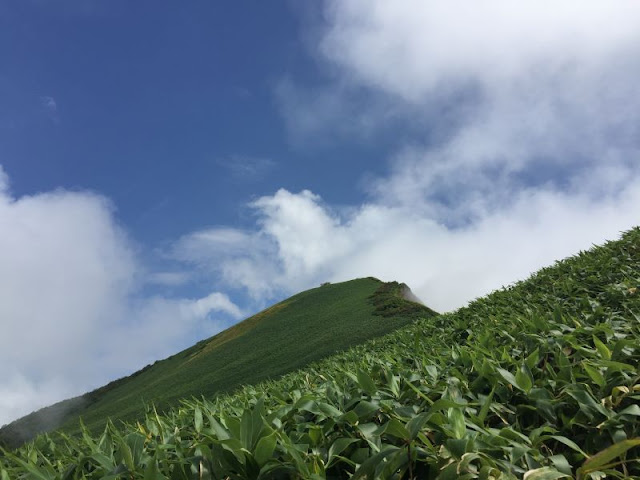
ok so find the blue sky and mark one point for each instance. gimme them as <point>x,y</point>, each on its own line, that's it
<point>151,104</point>
<point>167,169</point>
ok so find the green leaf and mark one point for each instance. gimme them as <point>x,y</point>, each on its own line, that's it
<point>457,446</point>
<point>366,382</point>
<point>365,409</point>
<point>445,404</point>
<point>524,379</point>
<point>151,472</point>
<point>247,430</point>
<point>329,410</point>
<point>618,366</point>
<point>265,448</point>
<point>135,441</point>
<point>339,446</point>
<point>368,468</point>
<point>396,429</point>
<point>414,426</point>
<point>450,472</point>
<point>221,432</point>
<point>561,463</point>
<point>595,375</point>
<point>456,420</point>
<point>104,461</point>
<point>602,458</point>
<point>466,460</point>
<point>508,376</point>
<point>38,473</point>
<point>197,420</point>
<point>532,360</point>
<point>350,418</point>
<point>631,410</point>
<point>602,348</point>
<point>486,406</point>
<point>588,404</point>
<point>370,430</point>
<point>544,473</point>
<point>125,452</point>
<point>569,443</point>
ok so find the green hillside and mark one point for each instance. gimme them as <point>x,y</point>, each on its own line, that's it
<point>290,334</point>
<point>537,381</point>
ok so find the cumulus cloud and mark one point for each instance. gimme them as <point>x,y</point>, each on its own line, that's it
<point>445,267</point>
<point>413,48</point>
<point>521,145</point>
<point>545,91</point>
<point>72,318</point>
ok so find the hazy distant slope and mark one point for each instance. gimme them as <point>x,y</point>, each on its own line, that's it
<point>304,328</point>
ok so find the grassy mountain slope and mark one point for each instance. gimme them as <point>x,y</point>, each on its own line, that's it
<point>286,336</point>
<point>537,381</point>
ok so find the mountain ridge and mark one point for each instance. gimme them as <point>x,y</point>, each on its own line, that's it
<point>372,307</point>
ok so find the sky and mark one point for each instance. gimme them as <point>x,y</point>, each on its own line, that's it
<point>169,168</point>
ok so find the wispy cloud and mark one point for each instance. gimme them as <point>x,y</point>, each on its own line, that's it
<point>169,279</point>
<point>49,103</point>
<point>246,168</point>
<point>50,107</point>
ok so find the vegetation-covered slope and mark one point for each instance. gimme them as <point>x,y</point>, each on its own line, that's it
<point>304,328</point>
<point>536,381</point>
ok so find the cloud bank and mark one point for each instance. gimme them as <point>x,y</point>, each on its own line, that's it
<point>520,145</point>
<point>301,243</point>
<point>71,315</point>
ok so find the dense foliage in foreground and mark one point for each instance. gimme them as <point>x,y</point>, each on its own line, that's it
<point>537,381</point>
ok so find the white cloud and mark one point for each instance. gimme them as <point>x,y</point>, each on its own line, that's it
<point>71,314</point>
<point>157,327</point>
<point>544,89</point>
<point>246,168</point>
<point>49,103</point>
<point>50,106</point>
<point>445,267</point>
<point>539,159</point>
<point>18,394</point>
<point>4,181</point>
<point>413,48</point>
<point>491,97</point>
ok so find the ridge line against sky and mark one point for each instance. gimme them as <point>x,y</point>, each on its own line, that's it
<point>166,170</point>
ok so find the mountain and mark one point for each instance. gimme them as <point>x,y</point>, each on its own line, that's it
<point>293,333</point>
